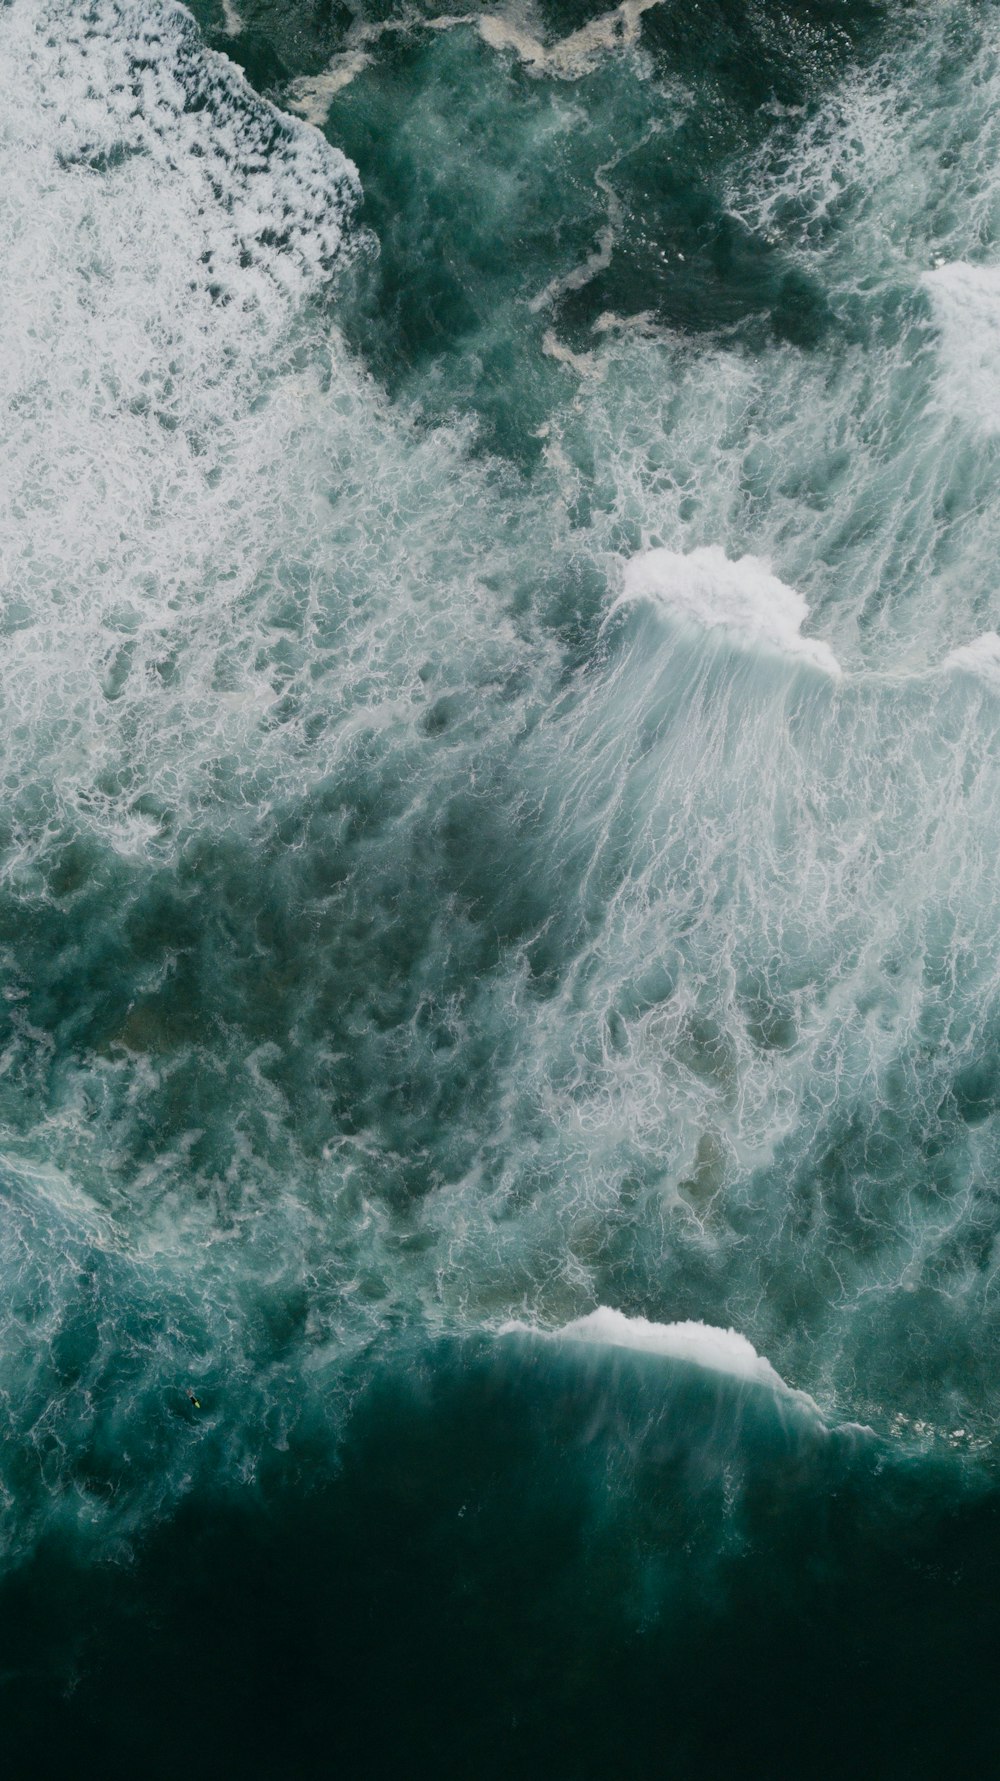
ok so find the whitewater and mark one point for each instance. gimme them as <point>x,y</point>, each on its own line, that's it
<point>500,701</point>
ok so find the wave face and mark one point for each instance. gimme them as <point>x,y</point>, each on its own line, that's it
<point>500,700</point>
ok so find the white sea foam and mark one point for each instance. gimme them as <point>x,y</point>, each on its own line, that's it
<point>569,58</point>
<point>585,364</point>
<point>573,56</point>
<point>966,304</point>
<point>311,95</point>
<point>745,598</point>
<point>161,229</point>
<point>700,1344</point>
<point>981,656</point>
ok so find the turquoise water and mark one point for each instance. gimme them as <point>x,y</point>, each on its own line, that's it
<point>500,998</point>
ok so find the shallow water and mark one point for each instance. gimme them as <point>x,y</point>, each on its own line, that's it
<point>501,705</point>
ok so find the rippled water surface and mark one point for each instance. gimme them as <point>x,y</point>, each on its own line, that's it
<point>499,906</point>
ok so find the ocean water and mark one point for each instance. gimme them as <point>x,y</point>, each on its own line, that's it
<point>499,903</point>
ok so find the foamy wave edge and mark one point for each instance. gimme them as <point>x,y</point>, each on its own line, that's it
<point>702,1345</point>
<point>742,597</point>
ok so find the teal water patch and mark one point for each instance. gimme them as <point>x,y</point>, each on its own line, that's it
<point>524,184</point>
<point>563,1560</point>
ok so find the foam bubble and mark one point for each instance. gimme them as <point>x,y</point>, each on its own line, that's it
<point>745,598</point>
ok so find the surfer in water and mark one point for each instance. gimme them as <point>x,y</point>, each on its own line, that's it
<point>193,1400</point>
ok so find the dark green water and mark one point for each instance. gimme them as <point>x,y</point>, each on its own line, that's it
<point>572,1569</point>
<point>500,695</point>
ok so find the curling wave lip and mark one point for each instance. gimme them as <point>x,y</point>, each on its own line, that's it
<point>700,1344</point>
<point>745,598</point>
